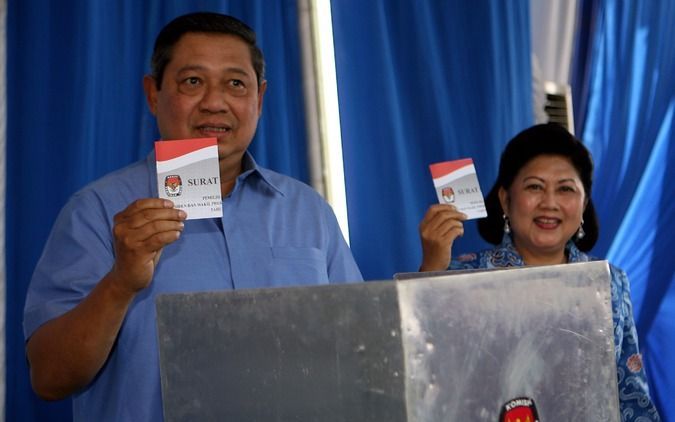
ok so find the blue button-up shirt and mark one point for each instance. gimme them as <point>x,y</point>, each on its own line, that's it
<point>275,231</point>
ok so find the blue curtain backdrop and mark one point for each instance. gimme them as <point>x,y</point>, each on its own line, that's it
<point>76,111</point>
<point>418,83</point>
<point>624,77</point>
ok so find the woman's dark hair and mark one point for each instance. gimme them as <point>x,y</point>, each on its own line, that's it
<point>208,23</point>
<point>543,139</point>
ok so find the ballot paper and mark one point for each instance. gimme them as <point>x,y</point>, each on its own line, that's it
<point>188,174</point>
<point>456,183</point>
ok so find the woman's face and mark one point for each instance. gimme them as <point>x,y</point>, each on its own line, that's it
<point>545,204</point>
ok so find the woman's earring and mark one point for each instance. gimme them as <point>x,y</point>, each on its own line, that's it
<point>507,228</point>
<point>581,233</point>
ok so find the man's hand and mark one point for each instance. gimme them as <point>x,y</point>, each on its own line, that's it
<point>140,232</point>
<point>67,352</point>
<point>441,225</point>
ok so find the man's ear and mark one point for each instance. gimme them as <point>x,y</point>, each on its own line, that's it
<point>261,92</point>
<point>503,199</point>
<point>150,88</point>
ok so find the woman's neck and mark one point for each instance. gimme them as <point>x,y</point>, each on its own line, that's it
<point>553,258</point>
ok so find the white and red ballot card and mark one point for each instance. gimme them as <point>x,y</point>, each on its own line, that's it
<point>456,183</point>
<point>188,174</point>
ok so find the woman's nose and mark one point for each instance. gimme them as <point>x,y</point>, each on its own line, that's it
<point>549,199</point>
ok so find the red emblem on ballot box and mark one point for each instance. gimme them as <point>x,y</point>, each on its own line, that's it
<point>521,409</point>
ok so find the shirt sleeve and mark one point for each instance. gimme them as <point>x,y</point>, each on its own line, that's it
<point>466,261</point>
<point>77,254</point>
<point>340,261</point>
<point>634,401</point>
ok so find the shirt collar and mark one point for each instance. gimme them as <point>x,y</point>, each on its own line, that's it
<point>574,254</point>
<point>507,248</point>
<point>249,167</point>
<point>507,251</point>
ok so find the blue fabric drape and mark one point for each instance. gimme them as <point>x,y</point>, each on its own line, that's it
<point>628,122</point>
<point>423,82</point>
<point>76,111</point>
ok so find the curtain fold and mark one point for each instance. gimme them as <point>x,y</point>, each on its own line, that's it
<point>76,111</point>
<point>626,68</point>
<point>423,82</point>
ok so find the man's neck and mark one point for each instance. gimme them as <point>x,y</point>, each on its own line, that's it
<point>228,176</point>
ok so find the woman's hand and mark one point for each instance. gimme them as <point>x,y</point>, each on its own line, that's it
<point>441,225</point>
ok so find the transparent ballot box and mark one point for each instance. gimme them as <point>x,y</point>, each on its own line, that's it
<point>451,346</point>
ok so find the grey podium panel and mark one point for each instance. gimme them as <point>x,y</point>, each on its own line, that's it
<point>448,347</point>
<point>474,341</point>
<point>322,353</point>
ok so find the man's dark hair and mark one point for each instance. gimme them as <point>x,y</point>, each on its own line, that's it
<point>543,139</point>
<point>208,23</point>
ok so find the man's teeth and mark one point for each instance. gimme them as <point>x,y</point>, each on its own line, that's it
<point>214,129</point>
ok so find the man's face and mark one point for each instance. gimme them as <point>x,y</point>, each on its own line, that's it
<point>209,90</point>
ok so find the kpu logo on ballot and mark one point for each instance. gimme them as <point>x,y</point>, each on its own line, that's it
<point>173,185</point>
<point>456,183</point>
<point>188,174</point>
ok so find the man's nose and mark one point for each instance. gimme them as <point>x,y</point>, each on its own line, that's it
<point>214,99</point>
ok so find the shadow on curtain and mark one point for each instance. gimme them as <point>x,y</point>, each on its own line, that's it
<point>625,78</point>
<point>76,111</point>
<point>423,82</point>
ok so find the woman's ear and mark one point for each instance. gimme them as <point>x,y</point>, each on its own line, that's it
<point>503,200</point>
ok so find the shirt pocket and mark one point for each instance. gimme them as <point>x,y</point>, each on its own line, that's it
<point>300,265</point>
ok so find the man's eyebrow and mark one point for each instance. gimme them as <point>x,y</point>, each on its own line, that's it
<point>238,70</point>
<point>191,67</point>
<point>196,67</point>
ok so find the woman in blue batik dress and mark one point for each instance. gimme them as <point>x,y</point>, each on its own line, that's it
<point>540,212</point>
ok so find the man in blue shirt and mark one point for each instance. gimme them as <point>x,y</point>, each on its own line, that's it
<point>89,318</point>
